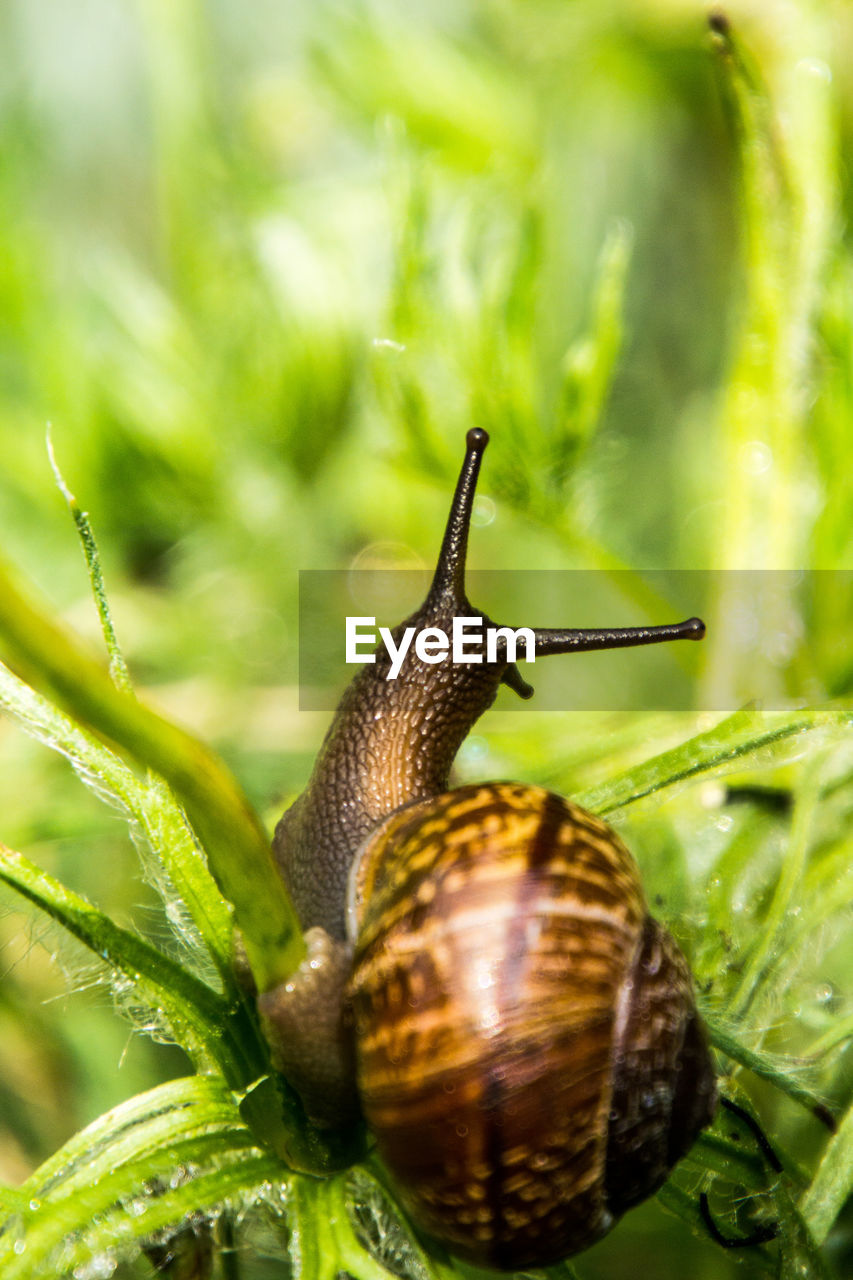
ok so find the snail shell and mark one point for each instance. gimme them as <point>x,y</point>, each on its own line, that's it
<point>529,1056</point>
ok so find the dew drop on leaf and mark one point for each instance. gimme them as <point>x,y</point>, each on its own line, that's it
<point>101,1267</point>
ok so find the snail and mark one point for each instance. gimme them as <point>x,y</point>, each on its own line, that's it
<point>483,979</point>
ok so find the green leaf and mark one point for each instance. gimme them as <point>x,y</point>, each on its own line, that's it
<point>118,666</point>
<point>139,1168</point>
<point>194,1014</point>
<point>799,1245</point>
<point>325,1240</point>
<point>184,1106</point>
<point>150,805</point>
<point>730,743</point>
<point>685,1205</point>
<point>775,924</point>
<point>12,1200</point>
<point>237,847</point>
<point>380,1225</point>
<point>833,1182</point>
<point>835,1035</point>
<point>590,362</point>
<point>111,1218</point>
<point>778,1071</point>
<point>784,122</point>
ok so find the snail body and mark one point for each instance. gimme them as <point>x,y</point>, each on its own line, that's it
<point>484,980</point>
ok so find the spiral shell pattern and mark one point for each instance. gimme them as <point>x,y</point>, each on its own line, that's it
<point>519,1023</point>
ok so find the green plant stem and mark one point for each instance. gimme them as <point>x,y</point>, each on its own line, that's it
<point>118,666</point>
<point>177,1109</point>
<point>686,1207</point>
<point>761,958</point>
<point>229,1259</point>
<point>236,845</point>
<point>835,1035</point>
<point>784,125</point>
<point>768,1068</point>
<point>833,1182</point>
<point>114,1227</point>
<point>150,807</point>
<point>799,1246</point>
<point>186,1002</point>
<point>746,733</point>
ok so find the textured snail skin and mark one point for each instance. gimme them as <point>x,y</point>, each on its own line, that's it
<point>483,980</point>
<point>521,1024</point>
<point>391,742</point>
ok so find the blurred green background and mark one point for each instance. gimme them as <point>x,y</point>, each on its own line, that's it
<point>261,266</point>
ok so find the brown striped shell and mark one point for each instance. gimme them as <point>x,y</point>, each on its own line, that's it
<point>529,1055</point>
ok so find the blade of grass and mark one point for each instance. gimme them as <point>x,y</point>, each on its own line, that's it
<point>389,1235</point>
<point>716,1154</point>
<point>768,1066</point>
<point>352,1257</point>
<point>12,1200</point>
<point>589,364</point>
<point>196,1016</point>
<point>184,1106</point>
<point>164,823</point>
<point>686,1207</point>
<point>783,121</point>
<point>204,1139</point>
<point>236,845</point>
<point>761,958</point>
<point>311,1256</point>
<point>177,1124</point>
<point>122,1165</point>
<point>733,740</point>
<point>833,1037</point>
<point>833,1182</point>
<point>827,889</point>
<point>109,1218</point>
<point>324,1242</point>
<point>149,804</point>
<point>118,666</point>
<point>799,1244</point>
